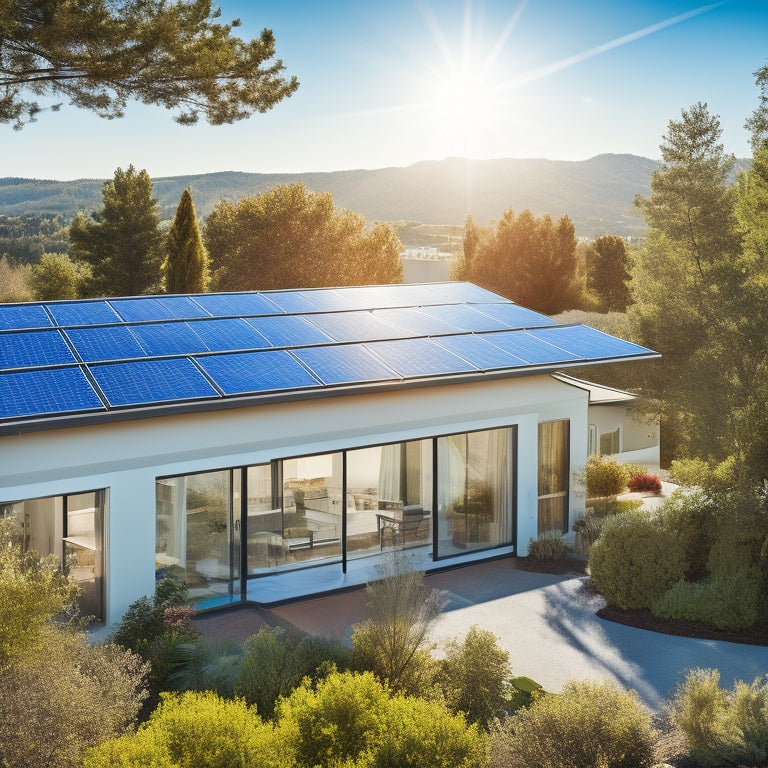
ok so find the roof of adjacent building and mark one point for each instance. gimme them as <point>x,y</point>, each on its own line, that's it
<point>599,394</point>
<point>72,362</point>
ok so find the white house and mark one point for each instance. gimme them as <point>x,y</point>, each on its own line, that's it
<point>275,444</point>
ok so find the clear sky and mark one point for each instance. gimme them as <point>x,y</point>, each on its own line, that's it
<point>394,82</point>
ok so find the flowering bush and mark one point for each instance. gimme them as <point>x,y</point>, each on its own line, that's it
<point>645,483</point>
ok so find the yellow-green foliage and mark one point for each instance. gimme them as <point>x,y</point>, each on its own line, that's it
<point>548,546</point>
<point>703,474</point>
<point>350,719</point>
<point>194,730</point>
<point>64,697</point>
<point>605,477</point>
<point>590,725</point>
<point>635,560</point>
<point>475,676</point>
<point>722,727</point>
<point>32,591</point>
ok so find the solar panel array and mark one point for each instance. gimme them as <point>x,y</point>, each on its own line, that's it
<point>107,355</point>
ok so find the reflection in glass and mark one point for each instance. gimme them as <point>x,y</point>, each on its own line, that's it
<point>195,531</point>
<point>389,497</point>
<point>475,490</point>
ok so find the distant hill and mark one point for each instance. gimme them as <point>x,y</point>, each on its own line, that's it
<point>596,193</point>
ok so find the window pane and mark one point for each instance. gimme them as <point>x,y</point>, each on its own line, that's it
<point>554,469</point>
<point>83,556</point>
<point>389,497</point>
<point>475,490</point>
<point>265,518</point>
<point>195,532</point>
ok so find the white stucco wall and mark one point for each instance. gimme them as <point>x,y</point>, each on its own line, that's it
<point>126,457</point>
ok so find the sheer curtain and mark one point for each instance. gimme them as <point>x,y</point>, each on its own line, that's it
<point>554,465</point>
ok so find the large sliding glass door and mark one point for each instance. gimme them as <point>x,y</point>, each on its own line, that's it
<point>71,527</point>
<point>475,490</point>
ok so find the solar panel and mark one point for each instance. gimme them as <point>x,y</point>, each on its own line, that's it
<point>530,348</point>
<point>515,316</point>
<point>147,308</point>
<point>256,372</point>
<point>288,331</point>
<point>482,354</point>
<point>317,300</point>
<point>415,321</point>
<point>588,343</point>
<point>46,391</point>
<point>464,317</point>
<point>28,349</point>
<point>151,381</point>
<point>356,326</point>
<point>236,304</point>
<point>463,292</point>
<point>16,317</point>
<point>159,339</point>
<point>83,313</point>
<point>386,296</point>
<point>112,342</point>
<point>344,364</point>
<point>225,334</point>
<point>418,357</point>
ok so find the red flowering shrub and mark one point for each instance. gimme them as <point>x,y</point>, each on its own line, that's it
<point>645,483</point>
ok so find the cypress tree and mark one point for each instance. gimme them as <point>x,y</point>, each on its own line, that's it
<point>186,263</point>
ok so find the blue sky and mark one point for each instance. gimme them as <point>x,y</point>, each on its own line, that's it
<point>396,82</point>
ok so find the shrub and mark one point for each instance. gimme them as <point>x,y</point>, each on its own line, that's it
<point>645,483</point>
<point>702,474</point>
<point>692,517</point>
<point>66,697</point>
<point>590,725</point>
<point>630,470</point>
<point>605,477</point>
<point>207,665</point>
<point>191,730</point>
<point>635,560</point>
<point>722,727</point>
<point>352,719</point>
<point>276,660</point>
<point>392,642</point>
<point>474,676</point>
<point>548,546</point>
<point>731,602</point>
<point>609,507</point>
<point>524,691</point>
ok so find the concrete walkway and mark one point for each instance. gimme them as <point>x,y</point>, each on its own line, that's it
<point>548,625</point>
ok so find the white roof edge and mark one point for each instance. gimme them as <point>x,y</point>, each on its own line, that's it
<point>599,394</point>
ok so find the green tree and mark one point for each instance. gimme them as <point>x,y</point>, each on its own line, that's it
<point>122,243</point>
<point>14,279</point>
<point>531,261</point>
<point>608,273</point>
<point>99,54</point>
<point>186,262</point>
<point>691,292</point>
<point>56,276</point>
<point>289,237</point>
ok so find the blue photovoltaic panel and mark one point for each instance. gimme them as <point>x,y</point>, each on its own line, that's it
<point>236,304</point>
<point>28,349</point>
<point>387,296</point>
<point>588,343</point>
<point>531,349</point>
<point>157,308</point>
<point>19,317</point>
<point>293,302</point>
<point>160,339</point>
<point>514,315</point>
<point>464,317</point>
<point>255,372</point>
<point>45,392</point>
<point>476,350</point>
<point>463,292</point>
<point>143,382</point>
<point>225,334</point>
<point>415,321</point>
<point>344,364</point>
<point>83,313</point>
<point>112,342</point>
<point>356,326</point>
<point>418,357</point>
<point>288,331</point>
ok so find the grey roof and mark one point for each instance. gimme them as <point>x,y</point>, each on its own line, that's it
<point>73,362</point>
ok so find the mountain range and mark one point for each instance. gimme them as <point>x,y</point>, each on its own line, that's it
<point>597,193</point>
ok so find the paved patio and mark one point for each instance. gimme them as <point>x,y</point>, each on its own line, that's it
<point>547,623</point>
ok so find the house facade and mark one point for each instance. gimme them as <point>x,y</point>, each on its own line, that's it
<point>273,444</point>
